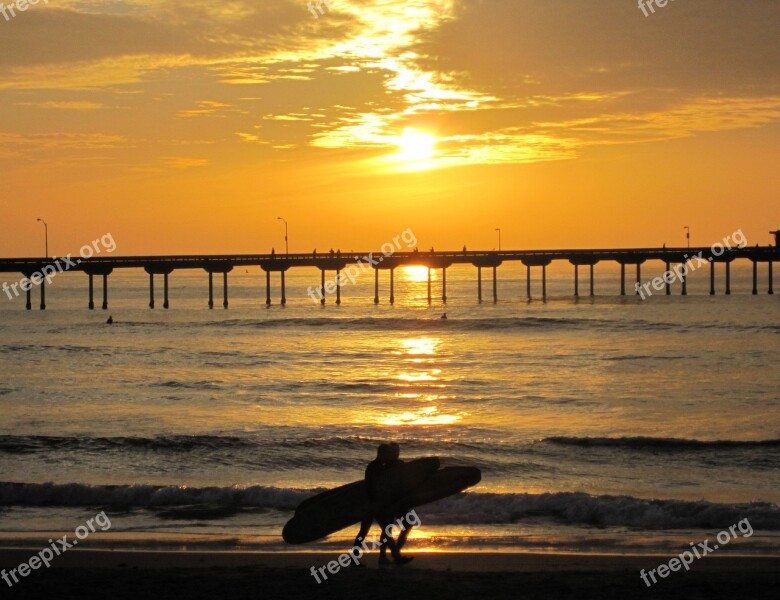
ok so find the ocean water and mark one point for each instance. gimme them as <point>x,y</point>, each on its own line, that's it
<point>600,424</point>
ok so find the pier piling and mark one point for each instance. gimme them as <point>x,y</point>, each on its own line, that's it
<point>622,279</point>
<point>638,278</point>
<point>91,292</point>
<point>592,292</point>
<point>755,277</point>
<point>576,281</point>
<point>728,278</point>
<point>712,278</point>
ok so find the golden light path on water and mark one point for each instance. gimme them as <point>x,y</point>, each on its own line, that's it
<point>418,351</point>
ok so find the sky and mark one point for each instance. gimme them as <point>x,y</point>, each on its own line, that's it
<point>190,127</point>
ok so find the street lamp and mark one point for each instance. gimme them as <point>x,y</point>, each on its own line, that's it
<point>688,235</point>
<point>286,245</point>
<point>499,238</point>
<point>46,232</point>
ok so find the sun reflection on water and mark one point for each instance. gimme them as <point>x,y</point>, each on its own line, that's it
<point>412,351</point>
<point>427,346</point>
<point>424,416</point>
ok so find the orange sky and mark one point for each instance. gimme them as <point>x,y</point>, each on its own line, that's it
<point>189,127</point>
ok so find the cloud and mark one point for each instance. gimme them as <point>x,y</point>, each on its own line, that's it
<point>496,82</point>
<point>184,162</point>
<point>250,137</point>
<point>209,108</point>
<point>63,105</point>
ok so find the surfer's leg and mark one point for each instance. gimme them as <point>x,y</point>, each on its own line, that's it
<point>383,560</point>
<point>405,526</point>
<point>387,537</point>
<point>365,526</point>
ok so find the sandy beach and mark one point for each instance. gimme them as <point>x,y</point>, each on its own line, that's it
<point>144,574</point>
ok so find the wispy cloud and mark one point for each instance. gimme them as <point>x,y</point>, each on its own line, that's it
<point>63,105</point>
<point>184,162</point>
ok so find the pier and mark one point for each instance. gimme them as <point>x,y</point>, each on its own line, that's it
<point>276,265</point>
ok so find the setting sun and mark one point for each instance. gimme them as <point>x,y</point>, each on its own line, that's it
<point>416,145</point>
<point>415,273</point>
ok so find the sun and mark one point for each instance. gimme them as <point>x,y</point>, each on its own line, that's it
<point>415,273</point>
<point>416,145</point>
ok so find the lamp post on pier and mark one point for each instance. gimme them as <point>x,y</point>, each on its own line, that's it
<point>46,235</point>
<point>286,244</point>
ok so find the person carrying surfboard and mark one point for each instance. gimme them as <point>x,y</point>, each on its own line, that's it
<point>383,480</point>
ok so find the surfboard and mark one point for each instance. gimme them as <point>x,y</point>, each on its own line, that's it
<point>441,484</point>
<point>335,509</point>
<point>414,473</point>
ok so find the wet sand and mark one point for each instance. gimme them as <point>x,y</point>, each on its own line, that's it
<point>117,575</point>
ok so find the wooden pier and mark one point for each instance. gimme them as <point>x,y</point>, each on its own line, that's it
<point>34,269</point>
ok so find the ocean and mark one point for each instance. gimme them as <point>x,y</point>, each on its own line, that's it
<point>605,424</point>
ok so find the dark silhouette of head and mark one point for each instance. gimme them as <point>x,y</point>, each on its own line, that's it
<point>387,453</point>
<point>395,450</point>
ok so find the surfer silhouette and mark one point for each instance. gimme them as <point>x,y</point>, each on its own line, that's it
<point>383,485</point>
